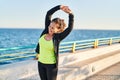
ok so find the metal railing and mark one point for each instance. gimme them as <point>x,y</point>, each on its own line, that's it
<point>92,43</point>
<point>72,46</point>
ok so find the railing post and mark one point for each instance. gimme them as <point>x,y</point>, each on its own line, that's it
<point>110,42</point>
<point>96,43</point>
<point>73,47</point>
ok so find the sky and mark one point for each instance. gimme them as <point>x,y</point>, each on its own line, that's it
<point>88,14</point>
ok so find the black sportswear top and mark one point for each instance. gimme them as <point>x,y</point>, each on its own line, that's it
<point>58,36</point>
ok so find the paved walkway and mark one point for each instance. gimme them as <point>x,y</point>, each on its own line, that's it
<point>111,73</point>
<point>29,70</point>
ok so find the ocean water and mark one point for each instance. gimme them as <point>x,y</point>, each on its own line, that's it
<point>11,38</point>
<point>27,37</point>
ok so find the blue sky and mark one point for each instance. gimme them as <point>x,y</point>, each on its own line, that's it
<point>89,14</point>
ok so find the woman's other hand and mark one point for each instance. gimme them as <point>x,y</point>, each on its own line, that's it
<point>37,56</point>
<point>65,9</point>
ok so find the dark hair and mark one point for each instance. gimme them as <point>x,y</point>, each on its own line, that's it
<point>61,24</point>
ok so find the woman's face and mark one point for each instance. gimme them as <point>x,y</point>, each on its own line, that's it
<point>53,28</point>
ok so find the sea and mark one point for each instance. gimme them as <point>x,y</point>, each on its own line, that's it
<point>12,38</point>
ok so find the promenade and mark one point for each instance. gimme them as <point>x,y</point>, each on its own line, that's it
<point>110,73</point>
<point>101,63</point>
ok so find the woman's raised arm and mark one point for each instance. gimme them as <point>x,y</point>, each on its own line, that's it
<point>70,22</point>
<point>49,15</point>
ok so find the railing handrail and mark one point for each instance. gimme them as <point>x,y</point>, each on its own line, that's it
<point>70,46</point>
<point>33,46</point>
<point>16,48</point>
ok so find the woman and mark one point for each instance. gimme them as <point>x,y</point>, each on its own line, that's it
<point>48,46</point>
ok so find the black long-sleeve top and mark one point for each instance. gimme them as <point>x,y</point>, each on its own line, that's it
<point>58,36</point>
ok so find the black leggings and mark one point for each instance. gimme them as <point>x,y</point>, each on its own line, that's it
<point>47,71</point>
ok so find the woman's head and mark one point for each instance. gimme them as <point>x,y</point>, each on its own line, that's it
<point>57,25</point>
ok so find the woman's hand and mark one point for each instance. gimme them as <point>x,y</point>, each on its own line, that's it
<point>65,9</point>
<point>37,56</point>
